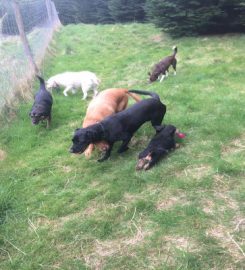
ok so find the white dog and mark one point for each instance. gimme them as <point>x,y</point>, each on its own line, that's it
<point>85,80</point>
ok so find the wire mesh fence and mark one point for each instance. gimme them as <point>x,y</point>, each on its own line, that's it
<point>39,19</point>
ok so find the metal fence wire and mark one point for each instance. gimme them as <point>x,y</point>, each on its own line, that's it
<point>23,24</point>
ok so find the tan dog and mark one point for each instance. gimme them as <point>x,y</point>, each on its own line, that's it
<point>107,102</point>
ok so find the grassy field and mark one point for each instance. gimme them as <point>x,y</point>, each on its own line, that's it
<point>59,211</point>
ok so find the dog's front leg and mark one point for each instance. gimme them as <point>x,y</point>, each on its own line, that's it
<point>155,157</point>
<point>48,121</point>
<point>163,76</point>
<point>107,153</point>
<point>95,91</point>
<point>124,146</point>
<point>68,88</point>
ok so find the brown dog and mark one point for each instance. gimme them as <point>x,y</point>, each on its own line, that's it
<point>163,66</point>
<point>107,102</point>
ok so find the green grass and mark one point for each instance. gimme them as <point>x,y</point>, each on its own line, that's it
<point>59,211</point>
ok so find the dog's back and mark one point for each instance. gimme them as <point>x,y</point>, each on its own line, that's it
<point>43,96</point>
<point>74,79</point>
<point>132,118</point>
<point>42,106</point>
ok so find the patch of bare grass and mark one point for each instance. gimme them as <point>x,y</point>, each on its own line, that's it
<point>97,252</point>
<point>129,198</point>
<point>170,202</point>
<point>227,200</point>
<point>156,38</point>
<point>208,206</point>
<point>101,250</point>
<point>55,224</point>
<point>195,172</point>
<point>221,181</point>
<point>3,155</point>
<point>227,241</point>
<point>182,243</point>
<point>235,146</point>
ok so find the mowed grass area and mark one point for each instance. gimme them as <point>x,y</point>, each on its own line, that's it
<point>61,211</point>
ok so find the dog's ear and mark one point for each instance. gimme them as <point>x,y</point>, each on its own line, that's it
<point>159,128</point>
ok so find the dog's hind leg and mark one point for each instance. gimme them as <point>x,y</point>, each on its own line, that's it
<point>95,89</point>
<point>157,121</point>
<point>158,117</point>
<point>174,64</point>
<point>124,145</point>
<point>85,94</point>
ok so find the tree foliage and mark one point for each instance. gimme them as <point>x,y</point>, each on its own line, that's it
<point>127,10</point>
<point>100,11</point>
<point>177,17</point>
<point>180,17</point>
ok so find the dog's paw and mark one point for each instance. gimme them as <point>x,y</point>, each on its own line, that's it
<point>121,150</point>
<point>142,163</point>
<point>103,157</point>
<point>146,166</point>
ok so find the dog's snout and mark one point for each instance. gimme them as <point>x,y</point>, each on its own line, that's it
<point>71,150</point>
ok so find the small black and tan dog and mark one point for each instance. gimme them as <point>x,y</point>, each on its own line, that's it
<point>163,66</point>
<point>159,146</point>
<point>41,109</point>
<point>121,126</point>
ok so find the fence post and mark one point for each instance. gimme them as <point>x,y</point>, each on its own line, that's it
<point>55,16</point>
<point>23,37</point>
<point>49,10</point>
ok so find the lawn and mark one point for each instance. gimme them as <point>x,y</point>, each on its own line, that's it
<point>62,211</point>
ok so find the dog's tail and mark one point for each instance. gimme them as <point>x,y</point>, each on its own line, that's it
<point>175,49</point>
<point>42,82</point>
<point>134,96</point>
<point>148,93</point>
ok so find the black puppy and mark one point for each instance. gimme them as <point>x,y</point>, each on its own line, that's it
<point>42,106</point>
<point>121,126</point>
<point>160,145</point>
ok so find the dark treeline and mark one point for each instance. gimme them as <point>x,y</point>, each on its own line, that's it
<point>194,17</point>
<point>100,11</point>
<point>177,17</point>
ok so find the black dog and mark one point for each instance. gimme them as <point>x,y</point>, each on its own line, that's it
<point>42,106</point>
<point>121,126</point>
<point>163,66</point>
<point>160,145</point>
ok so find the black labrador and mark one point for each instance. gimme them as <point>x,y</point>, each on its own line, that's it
<point>121,126</point>
<point>159,146</point>
<point>42,106</point>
